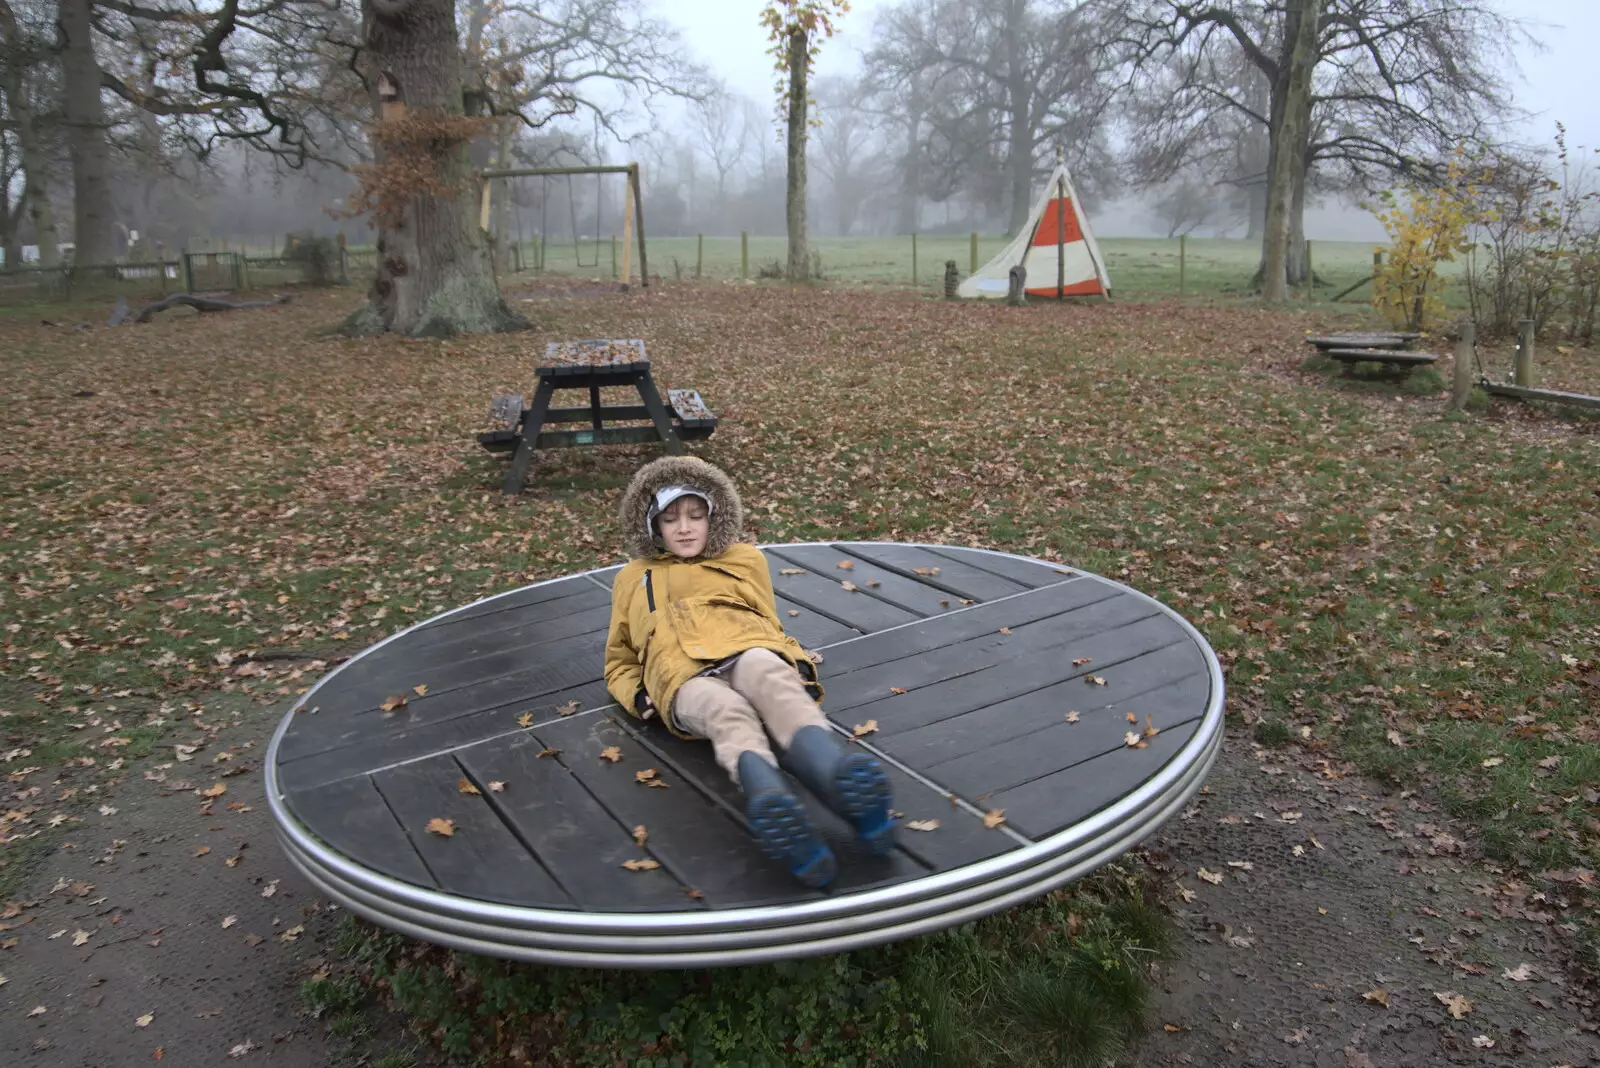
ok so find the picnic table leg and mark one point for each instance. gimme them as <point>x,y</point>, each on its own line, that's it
<point>658,412</point>
<point>532,420</point>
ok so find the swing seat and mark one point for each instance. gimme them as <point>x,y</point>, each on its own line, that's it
<point>470,782</point>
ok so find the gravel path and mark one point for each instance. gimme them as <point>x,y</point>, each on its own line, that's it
<point>1341,923</point>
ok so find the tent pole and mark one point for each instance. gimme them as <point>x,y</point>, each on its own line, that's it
<point>1061,236</point>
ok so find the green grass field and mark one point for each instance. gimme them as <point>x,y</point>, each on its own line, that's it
<point>1138,266</point>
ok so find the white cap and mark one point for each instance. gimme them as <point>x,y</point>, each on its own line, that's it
<point>665,496</point>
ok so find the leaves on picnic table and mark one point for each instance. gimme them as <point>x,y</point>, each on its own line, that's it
<point>421,689</point>
<point>897,690</point>
<point>850,587</point>
<point>794,611</point>
<point>641,865</point>
<point>640,835</point>
<point>847,565</point>
<point>443,827</point>
<point>648,776</point>
<point>925,571</point>
<point>1072,717</point>
<point>567,709</point>
<point>861,730</point>
<point>525,720</point>
<point>548,751</point>
<point>792,571</point>
<point>466,787</point>
<point>994,818</point>
<point>612,753</point>
<point>1094,680</point>
<point>923,825</point>
<point>1005,630</point>
<point>496,786</point>
<point>1082,660</point>
<point>393,702</point>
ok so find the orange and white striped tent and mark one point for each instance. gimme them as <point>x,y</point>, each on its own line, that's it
<point>1056,247</point>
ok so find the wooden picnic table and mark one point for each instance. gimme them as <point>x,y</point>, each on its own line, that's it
<point>1081,711</point>
<point>593,364</point>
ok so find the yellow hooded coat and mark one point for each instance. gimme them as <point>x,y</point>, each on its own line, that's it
<point>672,618</point>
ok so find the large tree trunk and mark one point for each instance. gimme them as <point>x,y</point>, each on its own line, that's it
<point>82,115</point>
<point>1019,99</point>
<point>799,57</point>
<point>503,238</point>
<point>435,276</point>
<point>35,162</point>
<point>911,162</point>
<point>1288,143</point>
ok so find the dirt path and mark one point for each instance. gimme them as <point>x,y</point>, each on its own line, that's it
<point>1346,917</point>
<point>166,902</point>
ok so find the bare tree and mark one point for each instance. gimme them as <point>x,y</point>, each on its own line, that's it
<point>1029,74</point>
<point>844,153</point>
<point>721,121</point>
<point>1393,85</point>
<point>21,53</point>
<point>1186,204</point>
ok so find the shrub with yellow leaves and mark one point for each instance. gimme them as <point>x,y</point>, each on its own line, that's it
<point>1427,227</point>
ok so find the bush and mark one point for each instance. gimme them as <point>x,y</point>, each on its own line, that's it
<point>1424,381</point>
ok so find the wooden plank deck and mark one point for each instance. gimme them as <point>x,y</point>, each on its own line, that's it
<point>992,652</point>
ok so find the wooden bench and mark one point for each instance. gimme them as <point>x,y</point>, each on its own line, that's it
<point>1395,362</point>
<point>591,365</point>
<point>1362,340</point>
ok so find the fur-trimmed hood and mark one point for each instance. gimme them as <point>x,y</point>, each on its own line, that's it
<point>727,512</point>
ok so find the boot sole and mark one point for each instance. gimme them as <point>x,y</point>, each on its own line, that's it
<point>783,831</point>
<point>864,795</point>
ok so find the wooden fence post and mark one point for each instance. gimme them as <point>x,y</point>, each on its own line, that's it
<point>1311,273</point>
<point>188,271</point>
<point>1183,262</point>
<point>744,253</point>
<point>972,253</point>
<point>1465,343</point>
<point>699,254</point>
<point>613,255</point>
<point>1524,367</point>
<point>913,259</point>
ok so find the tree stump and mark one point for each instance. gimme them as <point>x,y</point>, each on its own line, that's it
<point>952,278</point>
<point>1016,292</point>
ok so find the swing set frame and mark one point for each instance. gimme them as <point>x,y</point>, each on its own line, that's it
<point>632,212</point>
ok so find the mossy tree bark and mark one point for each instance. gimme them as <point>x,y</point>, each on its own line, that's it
<point>435,274</point>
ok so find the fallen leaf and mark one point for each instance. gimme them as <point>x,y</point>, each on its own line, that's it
<point>897,690</point>
<point>861,730</point>
<point>108,810</point>
<point>393,702</point>
<point>1242,865</point>
<point>567,709</point>
<point>1395,738</point>
<point>253,939</point>
<point>1094,680</point>
<point>640,835</point>
<point>1131,718</point>
<point>158,1053</point>
<point>923,825</point>
<point>850,587</point>
<point>496,786</point>
<point>1494,762</point>
<point>925,570</point>
<point>270,889</point>
<point>1150,729</point>
<point>695,894</point>
<point>229,921</point>
<point>1005,630</point>
<point>1131,740</point>
<point>466,787</point>
<point>1072,717</point>
<point>1185,893</point>
<point>1551,762</point>
<point>994,818</point>
<point>233,861</point>
<point>1173,1028</point>
<point>1379,995</point>
<point>145,1020</point>
<point>1456,1005</point>
<point>611,753</point>
<point>1483,1042</point>
<point>79,937</point>
<point>292,933</point>
<point>242,1048</point>
<point>641,865</point>
<point>792,571</point>
<point>1298,850</point>
<point>215,790</point>
<point>421,689</point>
<point>1297,1036</point>
<point>794,611</point>
<point>1212,877</point>
<point>442,827</point>
<point>1082,660</point>
<point>1521,974</point>
<point>647,775</point>
<point>525,720</point>
<point>846,565</point>
<point>202,851</point>
<point>548,751</point>
<point>38,1010</point>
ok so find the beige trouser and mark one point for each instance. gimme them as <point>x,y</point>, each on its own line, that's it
<point>762,690</point>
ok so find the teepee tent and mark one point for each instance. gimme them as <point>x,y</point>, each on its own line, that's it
<point>1056,246</point>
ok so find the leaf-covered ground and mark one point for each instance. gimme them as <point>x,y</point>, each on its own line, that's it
<point>231,502</point>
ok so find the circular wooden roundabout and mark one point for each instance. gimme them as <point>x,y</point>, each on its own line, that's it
<point>1085,712</point>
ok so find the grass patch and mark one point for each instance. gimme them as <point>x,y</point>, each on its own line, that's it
<point>1062,981</point>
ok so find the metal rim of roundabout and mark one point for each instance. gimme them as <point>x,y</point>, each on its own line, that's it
<point>754,934</point>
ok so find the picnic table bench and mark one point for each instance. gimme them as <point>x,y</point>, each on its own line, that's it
<point>1392,351</point>
<point>470,782</point>
<point>593,364</point>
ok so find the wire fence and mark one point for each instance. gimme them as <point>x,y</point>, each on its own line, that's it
<point>1139,267</point>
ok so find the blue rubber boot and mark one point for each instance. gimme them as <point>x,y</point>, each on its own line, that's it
<point>779,823</point>
<point>850,781</point>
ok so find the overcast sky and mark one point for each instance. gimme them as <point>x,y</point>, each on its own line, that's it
<point>1561,82</point>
